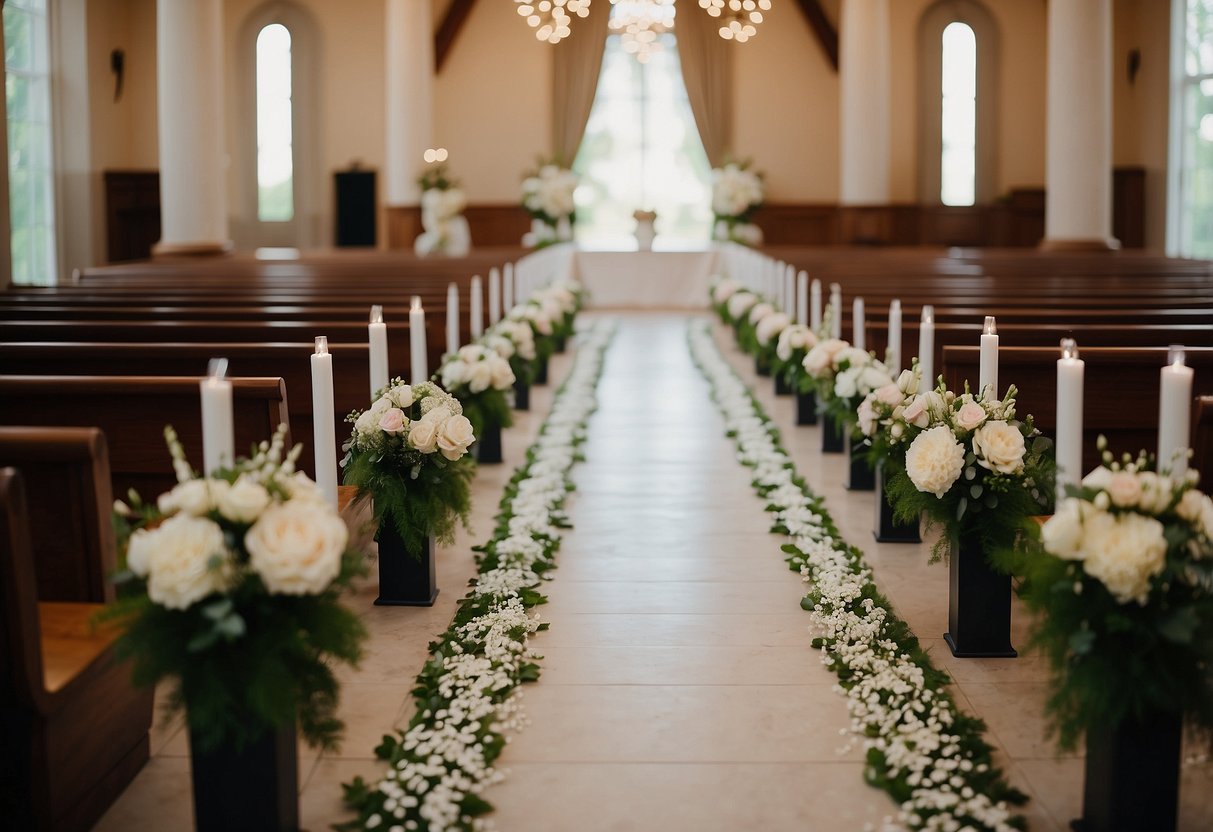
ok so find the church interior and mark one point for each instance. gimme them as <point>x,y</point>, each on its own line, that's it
<point>606,415</point>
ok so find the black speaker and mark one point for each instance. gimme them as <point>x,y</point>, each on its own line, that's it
<point>355,192</point>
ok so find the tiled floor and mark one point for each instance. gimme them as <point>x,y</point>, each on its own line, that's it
<point>679,688</point>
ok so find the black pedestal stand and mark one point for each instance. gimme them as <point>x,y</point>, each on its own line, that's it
<point>522,395</point>
<point>888,530</point>
<point>488,445</point>
<point>979,603</point>
<point>806,408</point>
<point>254,789</point>
<point>1132,775</point>
<point>831,435</point>
<point>860,476</point>
<point>406,579</point>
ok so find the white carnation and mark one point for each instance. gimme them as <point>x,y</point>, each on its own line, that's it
<point>935,460</point>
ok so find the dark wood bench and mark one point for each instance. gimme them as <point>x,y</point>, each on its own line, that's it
<point>75,733</point>
<point>133,411</point>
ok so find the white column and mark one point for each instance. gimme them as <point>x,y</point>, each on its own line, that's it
<point>193,159</point>
<point>410,96</point>
<point>1078,168</point>
<point>863,74</point>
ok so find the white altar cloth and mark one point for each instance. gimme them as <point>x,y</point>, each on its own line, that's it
<point>646,279</point>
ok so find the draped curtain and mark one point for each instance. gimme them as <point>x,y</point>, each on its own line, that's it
<point>577,63</point>
<point>707,70</point>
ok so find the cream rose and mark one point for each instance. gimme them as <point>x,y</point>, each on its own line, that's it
<point>740,303</point>
<point>423,435</point>
<point>770,326</point>
<point>1062,533</point>
<point>761,311</point>
<point>392,421</point>
<point>866,416</point>
<point>934,460</point>
<point>724,290</point>
<point>889,394</point>
<point>191,497</point>
<point>296,548</point>
<point>455,373</point>
<point>1124,489</point>
<point>794,337</point>
<point>1123,552</point>
<point>908,382</point>
<point>970,415</point>
<point>401,396</point>
<point>917,412</point>
<point>999,447</point>
<point>480,376</point>
<point>455,436</point>
<point>502,375</point>
<point>244,501</point>
<point>186,560</point>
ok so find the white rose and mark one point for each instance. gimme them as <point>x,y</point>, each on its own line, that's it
<point>400,396</point>
<point>935,460</point>
<point>970,415</point>
<point>1062,533</point>
<point>999,447</point>
<point>1124,489</point>
<point>1123,552</point>
<point>191,497</point>
<point>244,501</point>
<point>455,374</point>
<point>889,394</point>
<point>139,551</point>
<point>853,357</point>
<point>455,436</point>
<point>480,376</point>
<point>1098,478</point>
<point>872,377</point>
<point>770,326</point>
<point>186,561</point>
<point>303,488</point>
<point>866,416</point>
<point>846,383</point>
<point>761,311</point>
<point>501,345</point>
<point>1190,505</point>
<point>908,382</point>
<point>817,360</point>
<point>503,376</point>
<point>423,435</point>
<point>296,548</point>
<point>724,290</point>
<point>740,303</point>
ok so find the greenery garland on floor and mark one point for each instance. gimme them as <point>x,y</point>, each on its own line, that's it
<point>930,758</point>
<point>466,693</point>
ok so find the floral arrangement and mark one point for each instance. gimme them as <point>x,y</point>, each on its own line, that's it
<point>793,345</point>
<point>882,415</point>
<point>737,192</point>
<point>478,376</point>
<point>562,300</point>
<point>544,320</point>
<point>843,376</point>
<point>442,205</point>
<point>408,451</point>
<point>920,747</point>
<point>737,307</point>
<point>466,697</point>
<point>965,461</point>
<point>1122,578</point>
<point>722,290</point>
<point>547,195</point>
<point>515,342</point>
<point>231,587</point>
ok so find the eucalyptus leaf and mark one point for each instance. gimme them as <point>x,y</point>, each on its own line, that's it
<point>231,628</point>
<point>961,508</point>
<point>970,473</point>
<point>1081,642</point>
<point>975,491</point>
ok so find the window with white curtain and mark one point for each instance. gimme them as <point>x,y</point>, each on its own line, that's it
<point>30,159</point>
<point>275,139</point>
<point>1190,229</point>
<point>642,151</point>
<point>958,162</point>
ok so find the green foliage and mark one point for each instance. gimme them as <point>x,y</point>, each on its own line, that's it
<point>488,407</point>
<point>437,177</point>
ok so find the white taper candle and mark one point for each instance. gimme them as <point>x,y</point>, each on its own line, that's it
<point>802,299</point>
<point>926,346</point>
<point>452,319</point>
<point>507,289</point>
<point>494,296</point>
<point>988,368</point>
<point>417,355</point>
<point>324,433</point>
<point>377,336</point>
<point>1174,414</point>
<point>858,325</point>
<point>835,310</point>
<point>1070,369</point>
<point>789,290</point>
<point>476,308</point>
<point>893,353</point>
<point>815,305</point>
<point>218,436</point>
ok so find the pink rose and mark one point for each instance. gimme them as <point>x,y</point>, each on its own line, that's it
<point>970,415</point>
<point>916,412</point>
<point>392,420</point>
<point>866,416</point>
<point>890,394</point>
<point>1124,489</point>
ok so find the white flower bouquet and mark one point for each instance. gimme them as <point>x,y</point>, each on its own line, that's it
<point>408,452</point>
<point>965,461</point>
<point>515,342</point>
<point>478,376</point>
<point>737,192</point>
<point>442,205</point>
<point>547,195</point>
<point>793,345</point>
<point>721,290</point>
<point>231,587</point>
<point>1122,578</point>
<point>843,376</point>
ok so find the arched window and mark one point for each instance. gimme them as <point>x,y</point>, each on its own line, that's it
<point>642,151</point>
<point>958,124</point>
<point>1190,204</point>
<point>275,140</point>
<point>957,153</point>
<point>30,171</point>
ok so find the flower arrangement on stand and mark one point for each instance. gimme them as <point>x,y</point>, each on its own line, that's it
<point>1121,577</point>
<point>547,195</point>
<point>442,203</point>
<point>515,342</point>
<point>231,588</point>
<point>543,320</point>
<point>407,453</point>
<point>881,419</point>
<point>968,464</point>
<point>737,192</point>
<point>478,376</point>
<point>842,376</point>
<point>721,292</point>
<point>760,316</point>
<point>563,299</point>
<point>794,344</point>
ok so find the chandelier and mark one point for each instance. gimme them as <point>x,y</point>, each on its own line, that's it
<point>550,18</point>
<point>740,17</point>
<point>640,24</point>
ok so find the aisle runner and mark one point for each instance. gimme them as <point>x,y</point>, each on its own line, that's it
<point>439,766</point>
<point>921,749</point>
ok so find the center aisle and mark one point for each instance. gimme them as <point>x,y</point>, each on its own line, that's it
<point>679,688</point>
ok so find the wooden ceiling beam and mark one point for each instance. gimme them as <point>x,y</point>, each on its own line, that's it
<point>827,34</point>
<point>448,31</point>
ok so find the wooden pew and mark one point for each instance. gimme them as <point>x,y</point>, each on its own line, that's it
<point>74,731</point>
<point>133,411</point>
<point>1120,396</point>
<point>66,469</point>
<point>292,362</point>
<point>1202,441</point>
